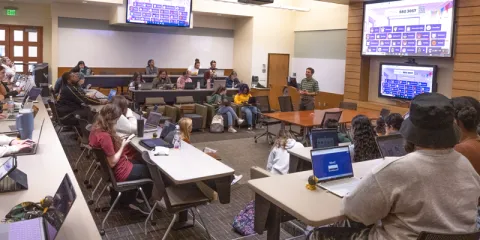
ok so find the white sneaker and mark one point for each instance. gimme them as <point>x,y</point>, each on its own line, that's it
<point>249,128</point>
<point>236,178</point>
<point>232,130</point>
<point>240,121</point>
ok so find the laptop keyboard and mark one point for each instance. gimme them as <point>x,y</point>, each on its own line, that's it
<point>26,230</point>
<point>8,185</point>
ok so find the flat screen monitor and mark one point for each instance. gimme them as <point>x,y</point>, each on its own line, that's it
<point>170,13</point>
<point>405,81</point>
<point>409,28</point>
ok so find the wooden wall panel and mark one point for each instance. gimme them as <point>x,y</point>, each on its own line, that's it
<point>466,67</point>
<point>128,71</point>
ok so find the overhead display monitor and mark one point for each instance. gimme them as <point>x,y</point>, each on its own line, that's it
<point>171,13</point>
<point>408,28</point>
<point>405,81</point>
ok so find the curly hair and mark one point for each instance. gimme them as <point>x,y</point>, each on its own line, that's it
<point>365,147</point>
<point>394,121</point>
<point>466,112</point>
<point>106,121</point>
<point>242,87</point>
<point>380,126</point>
<point>282,139</point>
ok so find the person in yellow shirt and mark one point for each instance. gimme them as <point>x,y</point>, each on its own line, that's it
<point>250,111</point>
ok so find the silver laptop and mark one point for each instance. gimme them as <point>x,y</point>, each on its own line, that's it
<point>25,105</point>
<point>220,72</point>
<point>28,151</point>
<point>146,86</point>
<point>334,170</point>
<point>152,122</point>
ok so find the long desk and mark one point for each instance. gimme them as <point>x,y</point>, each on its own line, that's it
<point>45,170</point>
<point>280,194</point>
<point>169,96</point>
<point>300,158</point>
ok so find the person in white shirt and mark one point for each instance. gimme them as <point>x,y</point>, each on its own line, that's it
<point>127,123</point>
<point>279,158</point>
<point>10,145</point>
<point>193,69</point>
<point>9,68</point>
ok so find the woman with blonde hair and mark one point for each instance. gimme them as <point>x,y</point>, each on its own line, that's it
<point>185,128</point>
<point>279,158</point>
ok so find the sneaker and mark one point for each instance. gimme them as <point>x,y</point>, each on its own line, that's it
<point>141,207</point>
<point>236,178</point>
<point>232,130</point>
<point>240,121</point>
<point>249,128</point>
<point>259,126</point>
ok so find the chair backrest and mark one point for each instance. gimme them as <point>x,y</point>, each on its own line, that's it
<point>85,128</point>
<point>324,138</point>
<point>330,115</point>
<point>52,106</point>
<point>184,99</point>
<point>348,105</point>
<point>263,104</point>
<point>156,176</point>
<point>437,236</point>
<point>209,98</point>
<point>155,100</point>
<point>107,172</point>
<point>286,104</point>
<point>384,112</point>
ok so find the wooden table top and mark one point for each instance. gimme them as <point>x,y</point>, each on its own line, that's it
<point>314,118</point>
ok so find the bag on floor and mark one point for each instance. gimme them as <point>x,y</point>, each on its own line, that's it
<point>217,124</point>
<point>243,222</point>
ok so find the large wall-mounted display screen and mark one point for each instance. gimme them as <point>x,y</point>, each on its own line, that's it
<point>173,13</point>
<point>408,28</point>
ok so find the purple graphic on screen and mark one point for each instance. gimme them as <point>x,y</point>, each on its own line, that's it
<point>408,50</point>
<point>396,42</point>
<point>384,42</point>
<point>386,29</point>
<point>423,43</point>
<point>439,34</point>
<point>438,43</point>
<point>408,43</point>
<point>423,35</point>
<point>408,35</point>
<point>170,13</point>
<point>416,28</point>
<point>374,30</point>
<point>433,27</point>
<point>383,49</point>
<point>395,49</point>
<point>395,36</point>
<point>435,50</point>
<point>373,43</point>
<point>370,36</point>
<point>371,49</point>
<point>405,81</point>
<point>421,50</point>
<point>399,29</point>
<point>381,36</point>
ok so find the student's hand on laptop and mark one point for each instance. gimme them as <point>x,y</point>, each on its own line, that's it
<point>3,115</point>
<point>20,142</point>
<point>24,146</point>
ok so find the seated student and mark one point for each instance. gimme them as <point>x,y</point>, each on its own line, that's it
<point>183,79</point>
<point>3,91</point>
<point>86,71</point>
<point>364,146</point>
<point>161,79</point>
<point>81,81</point>
<point>393,123</point>
<point>433,189</point>
<point>232,80</point>
<point>219,98</point>
<point>242,99</point>
<point>72,102</point>
<point>185,128</point>
<point>193,69</point>
<point>136,80</point>
<point>380,127</point>
<point>59,82</point>
<point>120,156</point>
<point>151,69</point>
<point>10,145</point>
<point>279,158</point>
<point>9,67</point>
<point>333,123</point>
<point>466,117</point>
<point>127,123</point>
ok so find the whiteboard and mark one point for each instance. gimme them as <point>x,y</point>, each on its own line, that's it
<point>115,49</point>
<point>330,73</point>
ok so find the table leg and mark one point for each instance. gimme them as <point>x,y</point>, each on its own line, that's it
<point>273,225</point>
<point>305,141</point>
<point>294,162</point>
<point>183,221</point>
<point>222,186</point>
<point>262,207</point>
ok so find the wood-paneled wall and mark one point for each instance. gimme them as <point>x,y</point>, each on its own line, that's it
<point>127,71</point>
<point>466,67</point>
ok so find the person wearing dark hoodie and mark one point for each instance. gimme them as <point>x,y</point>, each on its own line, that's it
<point>279,159</point>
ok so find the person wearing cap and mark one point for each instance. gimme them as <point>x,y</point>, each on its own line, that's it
<point>433,189</point>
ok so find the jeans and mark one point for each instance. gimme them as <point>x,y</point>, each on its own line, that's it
<point>139,171</point>
<point>230,114</point>
<point>250,112</point>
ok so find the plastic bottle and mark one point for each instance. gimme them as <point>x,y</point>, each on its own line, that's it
<point>177,139</point>
<point>11,105</point>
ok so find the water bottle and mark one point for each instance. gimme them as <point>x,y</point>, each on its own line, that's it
<point>11,105</point>
<point>177,139</point>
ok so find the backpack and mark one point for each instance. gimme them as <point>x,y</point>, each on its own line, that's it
<point>217,124</point>
<point>243,222</point>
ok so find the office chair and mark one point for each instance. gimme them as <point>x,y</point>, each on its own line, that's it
<point>348,105</point>
<point>186,107</point>
<point>330,115</point>
<point>286,105</point>
<point>177,198</point>
<point>118,187</point>
<point>263,105</point>
<point>57,121</point>
<point>438,236</point>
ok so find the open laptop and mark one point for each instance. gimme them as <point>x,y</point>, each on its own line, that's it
<point>11,179</point>
<point>391,145</point>
<point>220,72</point>
<point>146,86</point>
<point>25,105</point>
<point>28,151</point>
<point>324,138</point>
<point>167,128</point>
<point>152,122</point>
<point>190,85</point>
<point>47,226</point>
<point>334,170</point>
<point>202,71</point>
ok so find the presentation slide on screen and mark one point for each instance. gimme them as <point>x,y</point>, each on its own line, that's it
<point>331,163</point>
<point>408,28</point>
<point>159,12</point>
<point>405,81</point>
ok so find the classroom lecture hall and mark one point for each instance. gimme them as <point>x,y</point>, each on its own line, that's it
<point>240,119</point>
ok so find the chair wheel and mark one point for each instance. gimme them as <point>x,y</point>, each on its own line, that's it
<point>85,182</point>
<point>90,202</point>
<point>89,186</point>
<point>105,209</point>
<point>97,209</point>
<point>102,232</point>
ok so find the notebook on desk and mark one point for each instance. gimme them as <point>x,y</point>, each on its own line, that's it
<point>334,169</point>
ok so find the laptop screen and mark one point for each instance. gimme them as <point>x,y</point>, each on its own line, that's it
<point>112,93</point>
<point>62,203</point>
<point>391,145</point>
<point>6,167</point>
<point>332,163</point>
<point>33,93</point>
<point>324,138</point>
<point>154,118</point>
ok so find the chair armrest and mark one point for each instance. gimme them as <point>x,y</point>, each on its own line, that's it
<point>210,112</point>
<point>131,185</point>
<point>171,112</point>
<point>202,110</point>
